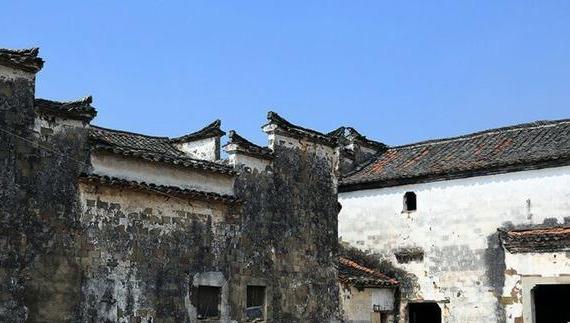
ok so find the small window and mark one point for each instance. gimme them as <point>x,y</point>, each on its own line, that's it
<point>209,299</point>
<point>410,203</point>
<point>255,311</point>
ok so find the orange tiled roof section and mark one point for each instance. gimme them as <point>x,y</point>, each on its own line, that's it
<point>352,273</point>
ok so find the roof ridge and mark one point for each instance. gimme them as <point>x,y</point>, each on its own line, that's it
<point>247,146</point>
<point>527,146</point>
<point>274,118</point>
<point>341,133</point>
<point>353,264</point>
<point>171,159</point>
<point>75,109</point>
<point>528,125</point>
<point>24,59</point>
<point>160,188</point>
<point>87,100</point>
<point>210,130</point>
<point>358,266</point>
<point>236,138</point>
<point>129,132</point>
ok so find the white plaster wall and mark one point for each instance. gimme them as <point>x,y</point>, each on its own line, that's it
<point>161,174</point>
<point>206,149</point>
<point>236,159</point>
<point>383,297</point>
<point>357,305</point>
<point>452,224</point>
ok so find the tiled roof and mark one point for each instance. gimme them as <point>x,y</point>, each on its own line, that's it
<point>248,148</point>
<point>298,131</point>
<point>542,239</point>
<point>159,149</point>
<point>160,189</point>
<point>352,273</point>
<point>211,130</point>
<point>23,59</point>
<point>80,109</point>
<point>527,146</point>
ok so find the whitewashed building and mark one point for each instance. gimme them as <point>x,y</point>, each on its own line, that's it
<point>478,224</point>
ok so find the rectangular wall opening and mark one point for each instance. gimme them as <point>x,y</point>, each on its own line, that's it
<point>255,308</point>
<point>424,313</point>
<point>551,303</point>
<point>208,301</point>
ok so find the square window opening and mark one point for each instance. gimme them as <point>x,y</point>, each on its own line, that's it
<point>209,300</point>
<point>410,202</point>
<point>255,307</point>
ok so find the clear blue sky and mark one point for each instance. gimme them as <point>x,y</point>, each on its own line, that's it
<point>399,71</point>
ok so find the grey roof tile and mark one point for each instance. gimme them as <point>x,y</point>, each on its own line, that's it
<point>151,148</point>
<point>525,146</point>
<point>79,109</point>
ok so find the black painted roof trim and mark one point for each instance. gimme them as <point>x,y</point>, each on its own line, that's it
<point>346,132</point>
<point>163,189</point>
<point>249,148</point>
<point>78,110</point>
<point>536,239</point>
<point>300,132</point>
<point>169,159</point>
<point>23,59</point>
<point>209,131</point>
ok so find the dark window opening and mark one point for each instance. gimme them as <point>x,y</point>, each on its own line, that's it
<point>424,313</point>
<point>551,303</point>
<point>209,299</point>
<point>255,311</point>
<point>410,201</point>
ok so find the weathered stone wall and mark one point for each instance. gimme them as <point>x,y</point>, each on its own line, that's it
<point>463,266</point>
<point>39,270</point>
<point>83,251</point>
<point>290,233</point>
<point>79,248</point>
<point>16,101</point>
<point>140,252</point>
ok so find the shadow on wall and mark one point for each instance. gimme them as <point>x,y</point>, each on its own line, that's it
<point>495,271</point>
<point>408,282</point>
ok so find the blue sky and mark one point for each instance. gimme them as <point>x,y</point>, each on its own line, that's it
<point>399,71</point>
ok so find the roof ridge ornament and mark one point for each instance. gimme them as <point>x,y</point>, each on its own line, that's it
<point>281,125</point>
<point>247,147</point>
<point>211,130</point>
<point>78,109</point>
<point>24,59</point>
<point>346,133</point>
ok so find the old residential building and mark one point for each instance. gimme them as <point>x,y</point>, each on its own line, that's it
<point>478,223</point>
<point>102,225</point>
